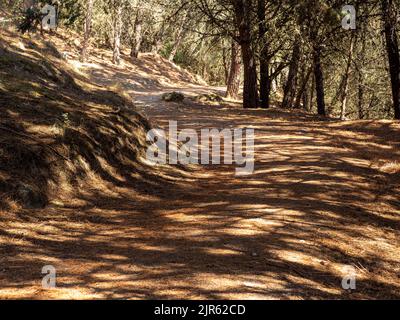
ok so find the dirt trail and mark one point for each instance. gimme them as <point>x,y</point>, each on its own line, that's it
<point>313,206</point>
<point>292,228</point>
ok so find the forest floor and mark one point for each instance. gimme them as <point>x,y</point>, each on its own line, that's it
<point>324,195</point>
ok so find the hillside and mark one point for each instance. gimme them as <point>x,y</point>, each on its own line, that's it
<point>61,133</point>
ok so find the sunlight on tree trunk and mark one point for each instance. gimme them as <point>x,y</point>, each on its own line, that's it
<point>346,76</point>
<point>87,30</point>
<point>117,34</point>
<point>233,84</point>
<point>138,35</point>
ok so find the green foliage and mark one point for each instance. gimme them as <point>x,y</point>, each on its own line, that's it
<point>30,19</point>
<point>71,13</point>
<point>203,46</point>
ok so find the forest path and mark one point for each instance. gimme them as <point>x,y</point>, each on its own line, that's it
<point>315,204</point>
<point>310,211</point>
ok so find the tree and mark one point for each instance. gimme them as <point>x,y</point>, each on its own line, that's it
<point>346,76</point>
<point>87,29</point>
<point>233,82</point>
<point>390,22</point>
<point>319,31</point>
<point>319,80</point>
<point>290,88</point>
<point>265,82</point>
<point>235,18</point>
<point>180,34</point>
<point>137,33</point>
<point>283,48</point>
<point>117,10</point>
<point>243,17</point>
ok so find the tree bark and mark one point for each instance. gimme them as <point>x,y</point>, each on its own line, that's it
<point>88,29</point>
<point>360,84</point>
<point>346,79</point>
<point>290,87</point>
<point>265,81</point>
<point>117,34</point>
<point>312,91</point>
<point>392,47</point>
<point>302,93</point>
<point>137,40</point>
<point>250,92</point>
<point>233,83</point>
<point>305,98</point>
<point>319,81</point>
<point>243,20</point>
<point>226,64</point>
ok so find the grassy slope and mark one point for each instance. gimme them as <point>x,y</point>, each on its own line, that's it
<point>57,129</point>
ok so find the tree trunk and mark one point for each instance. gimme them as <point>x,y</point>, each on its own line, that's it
<point>361,58</point>
<point>233,84</point>
<point>88,30</point>
<point>305,98</point>
<point>302,93</point>
<point>137,41</point>
<point>243,20</point>
<point>265,81</point>
<point>226,64</point>
<point>157,42</point>
<point>392,47</point>
<point>250,92</point>
<point>346,79</point>
<point>117,34</point>
<point>178,40</point>
<point>310,106</point>
<point>319,81</point>
<point>290,87</point>
<point>360,102</point>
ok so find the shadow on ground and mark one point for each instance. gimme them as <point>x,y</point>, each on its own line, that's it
<point>318,201</point>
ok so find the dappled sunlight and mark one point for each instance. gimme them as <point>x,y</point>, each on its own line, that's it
<point>323,195</point>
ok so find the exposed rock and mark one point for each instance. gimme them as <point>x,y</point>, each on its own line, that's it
<point>173,97</point>
<point>211,97</point>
